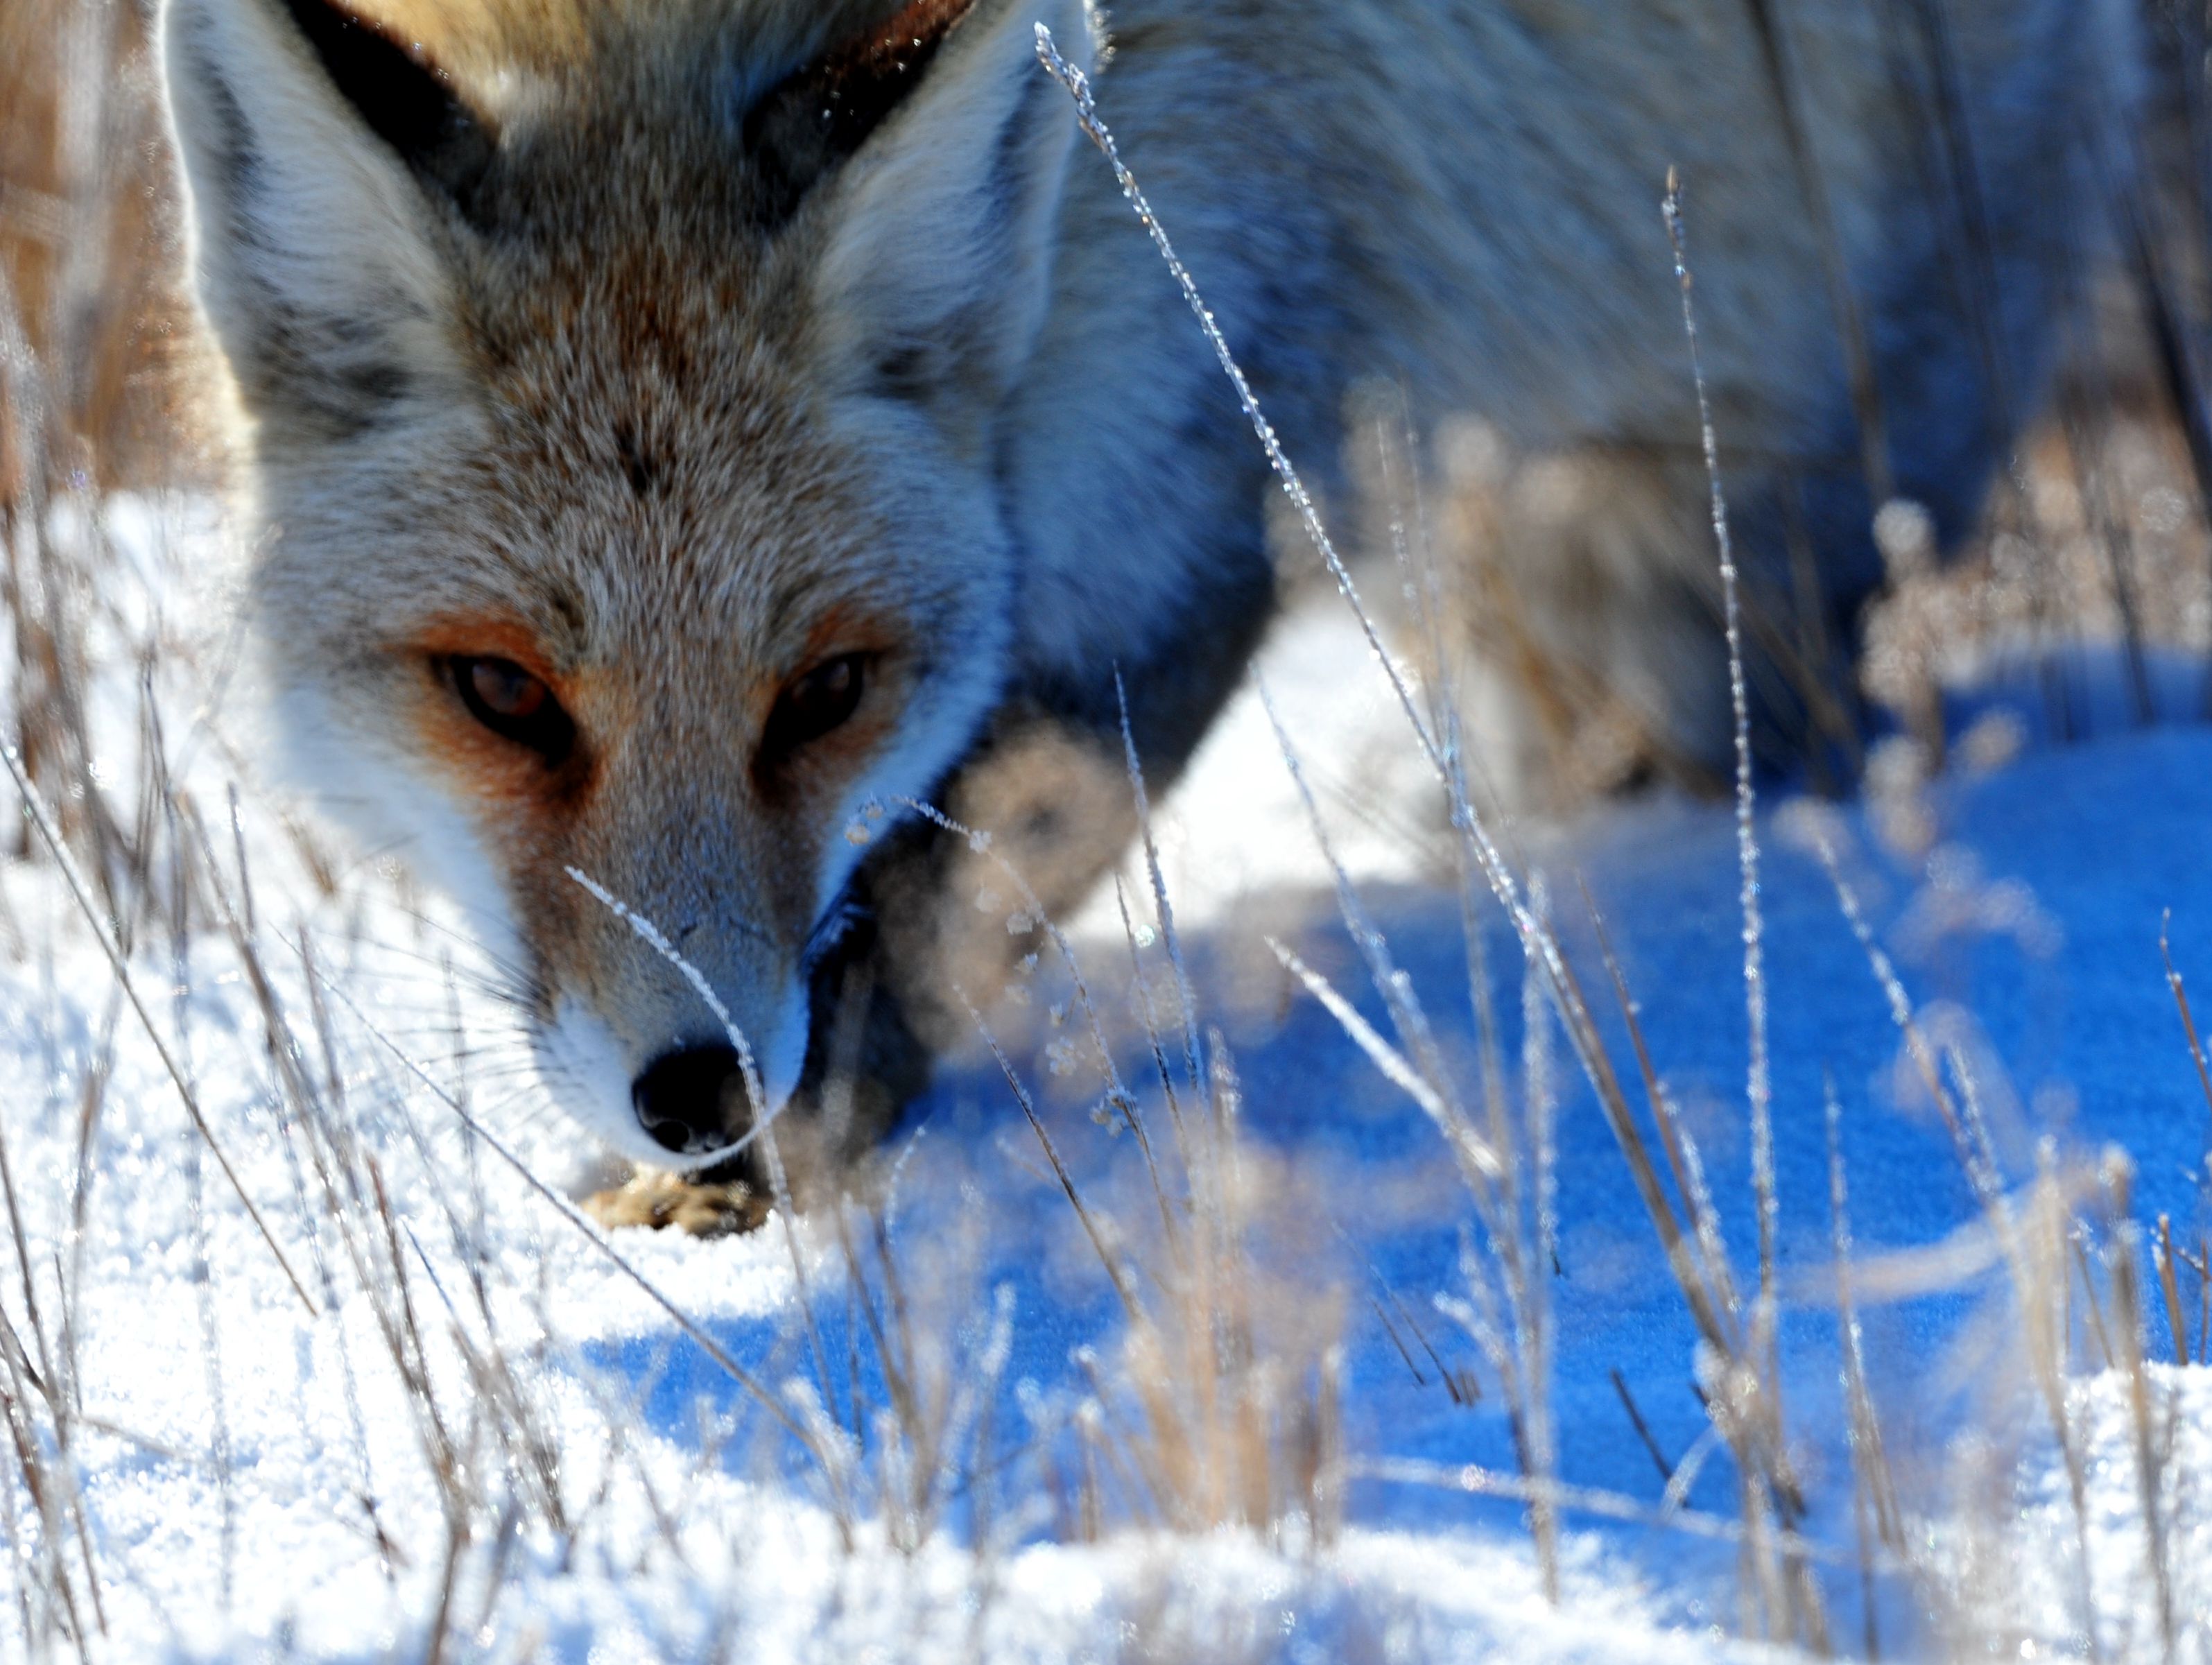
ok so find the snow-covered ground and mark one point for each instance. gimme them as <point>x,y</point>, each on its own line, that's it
<point>431,1413</point>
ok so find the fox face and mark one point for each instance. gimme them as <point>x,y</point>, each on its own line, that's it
<point>622,387</point>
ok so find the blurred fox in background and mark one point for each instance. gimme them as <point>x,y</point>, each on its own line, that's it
<point>684,433</point>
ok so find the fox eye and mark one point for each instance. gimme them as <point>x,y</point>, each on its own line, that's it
<point>815,703</point>
<point>513,704</point>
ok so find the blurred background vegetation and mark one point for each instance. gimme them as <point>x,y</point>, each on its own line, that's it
<point>90,314</point>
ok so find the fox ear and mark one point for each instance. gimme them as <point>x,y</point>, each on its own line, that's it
<point>319,156</point>
<point>812,121</point>
<point>935,278</point>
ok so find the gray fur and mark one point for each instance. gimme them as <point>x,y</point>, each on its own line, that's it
<point>665,409</point>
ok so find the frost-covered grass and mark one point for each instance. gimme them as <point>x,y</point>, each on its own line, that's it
<point>473,1433</point>
<point>408,1401</point>
<point>1384,1264</point>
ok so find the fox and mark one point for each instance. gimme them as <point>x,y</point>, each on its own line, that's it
<point>684,441</point>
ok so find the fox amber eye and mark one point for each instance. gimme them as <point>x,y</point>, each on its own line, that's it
<point>814,704</point>
<point>513,704</point>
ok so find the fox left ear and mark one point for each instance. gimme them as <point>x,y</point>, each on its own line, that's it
<point>935,279</point>
<point>321,156</point>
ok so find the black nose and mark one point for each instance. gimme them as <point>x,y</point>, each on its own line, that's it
<point>691,1100</point>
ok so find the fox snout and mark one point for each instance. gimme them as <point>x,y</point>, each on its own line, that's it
<point>654,1057</point>
<point>691,1101</point>
<point>669,913</point>
<point>664,1064</point>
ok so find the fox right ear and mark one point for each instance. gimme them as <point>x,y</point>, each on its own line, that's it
<point>934,282</point>
<point>320,157</point>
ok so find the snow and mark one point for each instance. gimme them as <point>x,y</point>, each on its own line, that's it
<point>571,1475</point>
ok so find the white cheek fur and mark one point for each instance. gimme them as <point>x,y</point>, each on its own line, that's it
<point>587,1074</point>
<point>389,805</point>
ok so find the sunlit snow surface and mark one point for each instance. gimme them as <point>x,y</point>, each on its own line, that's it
<point>257,1480</point>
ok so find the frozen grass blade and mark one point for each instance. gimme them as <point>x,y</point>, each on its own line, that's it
<point>1473,1478</point>
<point>1117,1091</point>
<point>1532,1304</point>
<point>1130,1305</point>
<point>1078,87</point>
<point>2126,1263</point>
<point>2031,1272</point>
<point>761,1130</point>
<point>1396,989</point>
<point>1389,1060</point>
<point>1874,1512</point>
<point>52,1484</point>
<point>2181,1004</point>
<point>1162,909</point>
<point>1757,1085</point>
<point>1518,1244</point>
<point>1674,1140</point>
<point>652,936</point>
<point>1143,985</point>
<point>2170,1288</point>
<point>1900,1004</point>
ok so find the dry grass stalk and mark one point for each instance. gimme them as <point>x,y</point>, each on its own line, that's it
<point>2169,1286</point>
<point>2181,1004</point>
<point>1747,1417</point>
<point>2124,1270</point>
<point>1211,1412</point>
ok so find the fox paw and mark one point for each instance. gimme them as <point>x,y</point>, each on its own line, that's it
<point>654,1198</point>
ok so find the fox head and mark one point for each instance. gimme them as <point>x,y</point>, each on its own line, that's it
<point>621,386</point>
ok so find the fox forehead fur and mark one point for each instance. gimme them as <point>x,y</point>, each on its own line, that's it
<point>668,349</point>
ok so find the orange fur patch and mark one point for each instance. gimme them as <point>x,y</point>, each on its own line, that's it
<point>491,770</point>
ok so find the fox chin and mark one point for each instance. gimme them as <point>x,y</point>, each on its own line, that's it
<point>684,435</point>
